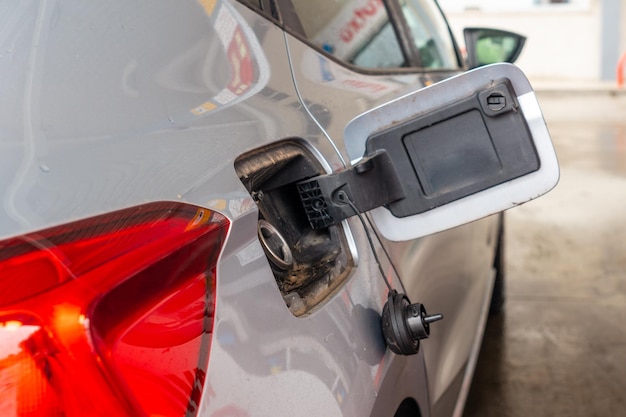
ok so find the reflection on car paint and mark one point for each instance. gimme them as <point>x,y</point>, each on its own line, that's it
<point>354,24</point>
<point>233,207</point>
<point>320,69</point>
<point>249,67</point>
<point>287,354</point>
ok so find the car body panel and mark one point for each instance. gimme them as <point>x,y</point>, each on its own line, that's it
<point>118,104</point>
<point>449,271</point>
<point>113,106</point>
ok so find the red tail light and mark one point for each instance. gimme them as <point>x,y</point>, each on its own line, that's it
<point>109,316</point>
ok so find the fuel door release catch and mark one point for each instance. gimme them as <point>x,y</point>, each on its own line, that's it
<point>371,183</point>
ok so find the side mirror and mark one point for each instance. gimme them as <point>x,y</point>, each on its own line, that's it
<point>490,46</point>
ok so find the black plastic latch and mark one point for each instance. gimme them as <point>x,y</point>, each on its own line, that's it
<point>330,199</point>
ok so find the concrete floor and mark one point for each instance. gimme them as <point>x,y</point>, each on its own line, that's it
<point>559,349</point>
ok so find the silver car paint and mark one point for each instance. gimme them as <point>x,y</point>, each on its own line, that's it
<point>105,106</point>
<point>451,271</point>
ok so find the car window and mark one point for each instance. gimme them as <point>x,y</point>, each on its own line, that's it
<point>356,31</point>
<point>430,34</point>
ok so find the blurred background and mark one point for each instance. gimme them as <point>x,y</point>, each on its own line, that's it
<point>569,41</point>
<point>559,347</point>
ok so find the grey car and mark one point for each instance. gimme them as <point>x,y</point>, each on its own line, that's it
<point>255,207</point>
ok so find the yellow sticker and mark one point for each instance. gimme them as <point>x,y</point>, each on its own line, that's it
<point>208,6</point>
<point>203,108</point>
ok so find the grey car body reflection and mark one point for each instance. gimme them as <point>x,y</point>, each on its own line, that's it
<point>452,270</point>
<point>110,105</point>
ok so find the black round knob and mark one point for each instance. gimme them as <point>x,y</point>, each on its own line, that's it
<point>405,324</point>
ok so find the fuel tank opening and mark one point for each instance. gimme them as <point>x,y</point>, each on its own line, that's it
<point>308,264</point>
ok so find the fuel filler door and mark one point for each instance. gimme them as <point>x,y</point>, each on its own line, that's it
<point>448,154</point>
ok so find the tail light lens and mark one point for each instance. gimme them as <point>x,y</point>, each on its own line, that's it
<point>109,316</point>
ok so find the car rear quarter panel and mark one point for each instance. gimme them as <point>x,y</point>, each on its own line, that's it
<point>115,104</point>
